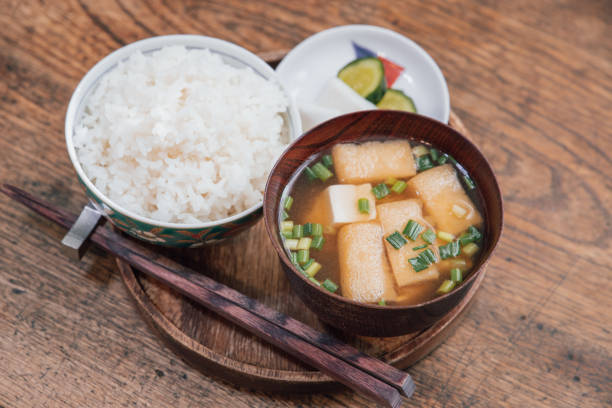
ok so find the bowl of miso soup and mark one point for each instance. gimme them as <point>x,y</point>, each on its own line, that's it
<point>382,220</point>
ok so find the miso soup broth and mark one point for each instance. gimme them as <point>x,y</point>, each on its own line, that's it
<point>383,221</point>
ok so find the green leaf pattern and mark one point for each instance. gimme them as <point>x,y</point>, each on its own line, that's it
<point>174,237</point>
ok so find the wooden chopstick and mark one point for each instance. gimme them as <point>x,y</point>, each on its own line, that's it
<point>366,375</point>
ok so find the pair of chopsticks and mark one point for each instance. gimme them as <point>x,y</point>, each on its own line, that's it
<point>364,374</point>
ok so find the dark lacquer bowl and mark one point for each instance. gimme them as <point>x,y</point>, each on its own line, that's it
<point>374,320</point>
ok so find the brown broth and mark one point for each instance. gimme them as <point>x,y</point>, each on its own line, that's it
<point>304,192</point>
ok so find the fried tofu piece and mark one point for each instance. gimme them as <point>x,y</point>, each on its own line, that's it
<point>440,189</point>
<point>393,217</point>
<point>372,162</point>
<point>365,275</point>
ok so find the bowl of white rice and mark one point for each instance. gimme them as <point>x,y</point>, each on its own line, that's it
<point>173,137</point>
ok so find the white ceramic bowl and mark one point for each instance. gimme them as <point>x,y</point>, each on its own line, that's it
<point>311,63</point>
<point>165,233</point>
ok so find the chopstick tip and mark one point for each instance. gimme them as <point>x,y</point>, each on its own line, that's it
<point>408,386</point>
<point>396,401</point>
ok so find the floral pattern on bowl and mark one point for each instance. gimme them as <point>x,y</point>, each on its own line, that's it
<point>184,237</point>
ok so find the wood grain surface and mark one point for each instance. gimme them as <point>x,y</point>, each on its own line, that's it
<point>531,80</point>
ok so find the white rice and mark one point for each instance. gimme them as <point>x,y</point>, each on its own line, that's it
<point>180,136</point>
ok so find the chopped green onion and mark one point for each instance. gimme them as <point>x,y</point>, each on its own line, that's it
<point>470,249</point>
<point>327,160</point>
<point>303,255</point>
<point>313,280</point>
<point>311,174</point>
<point>330,285</point>
<point>456,275</point>
<point>307,264</point>
<point>390,181</point>
<point>471,235</point>
<point>291,244</point>
<point>363,204</point>
<point>317,242</point>
<point>418,263</point>
<point>322,172</point>
<point>423,260</point>
<point>317,229</point>
<point>469,183</point>
<point>446,236</point>
<point>412,229</point>
<point>399,186</point>
<point>284,215</point>
<point>445,287</point>
<point>307,229</point>
<point>443,158</point>
<point>288,203</point>
<point>424,163</point>
<point>452,160</point>
<point>428,255</point>
<point>382,302</point>
<point>304,243</point>
<point>287,226</point>
<point>396,240</point>
<point>419,247</point>
<point>435,154</point>
<point>429,236</point>
<point>420,150</point>
<point>287,234</point>
<point>294,259</point>
<point>298,231</point>
<point>380,191</point>
<point>449,250</point>
<point>313,269</point>
<point>312,230</point>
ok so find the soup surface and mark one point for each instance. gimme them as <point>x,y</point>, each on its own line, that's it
<point>383,221</point>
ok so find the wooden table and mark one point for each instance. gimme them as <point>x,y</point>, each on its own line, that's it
<point>532,80</point>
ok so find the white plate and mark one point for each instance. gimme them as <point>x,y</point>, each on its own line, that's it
<point>316,59</point>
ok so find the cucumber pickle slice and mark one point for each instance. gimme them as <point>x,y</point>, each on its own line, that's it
<point>395,99</point>
<point>366,76</point>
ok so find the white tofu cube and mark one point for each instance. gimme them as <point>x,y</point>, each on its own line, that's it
<point>341,203</point>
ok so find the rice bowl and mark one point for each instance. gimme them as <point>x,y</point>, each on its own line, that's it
<point>181,136</point>
<point>140,225</point>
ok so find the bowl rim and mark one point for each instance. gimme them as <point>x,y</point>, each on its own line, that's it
<point>285,260</point>
<point>367,28</point>
<point>191,41</point>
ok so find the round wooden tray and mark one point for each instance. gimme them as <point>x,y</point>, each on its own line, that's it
<point>217,347</point>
